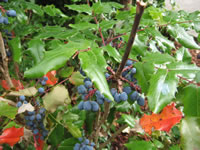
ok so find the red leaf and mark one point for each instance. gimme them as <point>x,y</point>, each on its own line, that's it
<point>1,148</point>
<point>51,78</point>
<point>39,144</point>
<point>163,121</point>
<point>11,135</point>
<point>16,83</point>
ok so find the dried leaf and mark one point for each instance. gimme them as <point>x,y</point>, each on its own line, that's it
<point>25,107</point>
<point>163,121</point>
<point>16,83</point>
<point>38,143</point>
<point>11,135</point>
<point>26,92</point>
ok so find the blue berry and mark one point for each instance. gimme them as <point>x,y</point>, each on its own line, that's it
<point>80,139</point>
<point>5,20</point>
<point>1,19</point>
<point>87,105</point>
<point>43,82</point>
<point>77,146</point>
<point>38,117</point>
<point>127,89</point>
<point>88,84</point>
<point>45,133</point>
<point>107,75</point>
<point>19,104</point>
<point>80,105</point>
<point>41,90</point>
<point>133,70</point>
<point>100,100</point>
<point>134,96</point>
<point>86,141</point>
<point>117,97</point>
<point>83,97</point>
<point>113,91</point>
<point>32,117</point>
<point>31,112</point>
<point>42,110</point>
<point>25,102</point>
<point>89,147</point>
<point>26,117</point>
<point>11,13</point>
<point>92,144</point>
<point>35,131</point>
<point>95,106</point>
<point>140,101</point>
<point>98,94</point>
<point>45,78</point>
<point>82,89</point>
<point>22,97</point>
<point>107,100</point>
<point>123,96</point>
<point>129,62</point>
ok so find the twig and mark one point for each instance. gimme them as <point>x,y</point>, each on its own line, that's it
<point>139,12</point>
<point>5,63</point>
<point>191,82</point>
<point>113,136</point>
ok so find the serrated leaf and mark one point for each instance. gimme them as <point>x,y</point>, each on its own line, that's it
<point>191,100</point>
<point>161,90</point>
<point>35,8</point>
<point>105,24</point>
<point>123,107</point>
<point>158,58</point>
<point>36,49</point>
<point>190,133</point>
<point>31,91</point>
<point>94,72</point>
<point>139,145</point>
<point>112,52</point>
<point>75,131</point>
<point>84,26</point>
<point>57,97</point>
<point>55,59</point>
<point>100,8</point>
<point>7,110</point>
<point>68,144</point>
<point>101,61</point>
<point>183,54</point>
<point>129,120</point>
<point>81,8</point>
<point>52,11</point>
<point>182,36</point>
<point>15,45</point>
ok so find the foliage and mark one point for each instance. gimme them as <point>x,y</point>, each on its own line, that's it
<point>65,64</point>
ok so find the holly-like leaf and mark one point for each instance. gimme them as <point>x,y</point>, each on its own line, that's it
<point>15,45</point>
<point>51,10</point>
<point>74,130</point>
<point>76,78</point>
<point>83,26</point>
<point>55,59</point>
<point>57,97</point>
<point>164,121</point>
<point>7,110</point>
<point>94,72</point>
<point>139,145</point>
<point>182,36</point>
<point>190,133</point>
<point>81,8</point>
<point>184,55</point>
<point>190,96</point>
<point>16,83</point>
<point>68,144</point>
<point>52,80</point>
<point>57,135</point>
<point>129,120</point>
<point>11,135</point>
<point>112,52</point>
<point>36,49</point>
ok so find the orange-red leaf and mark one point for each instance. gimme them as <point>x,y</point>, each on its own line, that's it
<point>38,143</point>
<point>11,135</point>
<point>51,78</point>
<point>163,121</point>
<point>16,83</point>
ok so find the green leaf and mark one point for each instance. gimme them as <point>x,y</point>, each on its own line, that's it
<point>55,59</point>
<point>182,36</point>
<point>175,147</point>
<point>143,74</point>
<point>35,8</point>
<point>57,135</point>
<point>158,58</point>
<point>7,110</point>
<point>140,145</point>
<point>129,120</point>
<point>84,26</point>
<point>139,46</point>
<point>184,55</point>
<point>75,131</point>
<point>66,72</point>
<point>191,100</point>
<point>197,78</point>
<point>81,8</point>
<point>68,144</point>
<point>12,124</point>
<point>76,78</point>
<point>112,52</point>
<point>94,72</point>
<point>107,24</point>
<point>57,97</point>
<point>190,133</point>
<point>52,11</point>
<point>161,90</point>
<point>100,8</point>
<point>123,107</point>
<point>15,45</point>
<point>36,48</point>
<point>101,61</point>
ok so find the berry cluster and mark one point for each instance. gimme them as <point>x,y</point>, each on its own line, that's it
<point>88,105</point>
<point>34,121</point>
<point>84,145</point>
<point>136,97</point>
<point>22,101</point>
<point>8,13</point>
<point>44,80</point>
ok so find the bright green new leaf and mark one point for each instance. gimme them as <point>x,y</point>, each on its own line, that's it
<point>36,49</point>
<point>7,110</point>
<point>129,120</point>
<point>16,48</point>
<point>182,36</point>
<point>112,52</point>
<point>140,145</point>
<point>184,55</point>
<point>89,64</point>
<point>190,133</point>
<point>105,24</point>
<point>75,131</point>
<point>57,97</point>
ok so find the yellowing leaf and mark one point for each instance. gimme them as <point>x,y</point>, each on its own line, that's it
<point>57,97</point>
<point>31,91</point>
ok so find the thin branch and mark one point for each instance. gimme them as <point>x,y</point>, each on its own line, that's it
<point>139,12</point>
<point>5,62</point>
<point>113,136</point>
